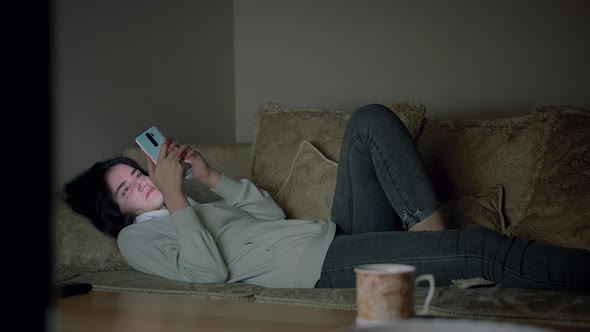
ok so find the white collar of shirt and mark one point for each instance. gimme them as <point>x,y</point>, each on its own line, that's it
<point>158,213</point>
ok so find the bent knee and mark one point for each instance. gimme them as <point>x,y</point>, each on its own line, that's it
<point>376,115</point>
<point>371,112</point>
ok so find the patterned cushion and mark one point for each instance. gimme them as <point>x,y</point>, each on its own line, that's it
<point>139,282</point>
<point>281,128</point>
<point>79,247</point>
<point>559,212</point>
<point>482,208</point>
<point>309,189</point>
<point>465,156</point>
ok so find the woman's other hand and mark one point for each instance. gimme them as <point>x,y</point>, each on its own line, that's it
<point>167,173</point>
<point>199,166</point>
<point>167,177</point>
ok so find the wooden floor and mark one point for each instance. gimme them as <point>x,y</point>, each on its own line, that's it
<point>111,311</point>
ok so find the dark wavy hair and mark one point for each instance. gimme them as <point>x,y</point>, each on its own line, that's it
<point>89,195</point>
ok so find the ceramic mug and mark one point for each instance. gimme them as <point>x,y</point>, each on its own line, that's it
<point>385,293</point>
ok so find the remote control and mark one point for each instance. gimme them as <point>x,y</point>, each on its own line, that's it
<point>65,289</point>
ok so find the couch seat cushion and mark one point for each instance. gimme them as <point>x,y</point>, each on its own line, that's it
<point>496,302</point>
<point>522,305</point>
<point>138,282</point>
<point>334,298</point>
<point>492,302</point>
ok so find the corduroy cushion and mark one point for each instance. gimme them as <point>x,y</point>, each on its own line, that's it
<point>466,156</point>
<point>281,129</point>
<point>559,211</point>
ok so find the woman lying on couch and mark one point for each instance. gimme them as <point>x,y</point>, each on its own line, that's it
<point>384,211</point>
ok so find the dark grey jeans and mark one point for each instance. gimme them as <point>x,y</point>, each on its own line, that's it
<point>382,190</point>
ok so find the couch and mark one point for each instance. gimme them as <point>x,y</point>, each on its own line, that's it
<point>526,175</point>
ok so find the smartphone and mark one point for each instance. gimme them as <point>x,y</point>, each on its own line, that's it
<point>150,142</point>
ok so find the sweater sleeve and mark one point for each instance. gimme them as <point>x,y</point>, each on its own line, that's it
<point>251,199</point>
<point>191,256</point>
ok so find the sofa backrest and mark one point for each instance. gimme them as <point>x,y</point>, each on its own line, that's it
<point>527,176</point>
<point>541,160</point>
<point>464,156</point>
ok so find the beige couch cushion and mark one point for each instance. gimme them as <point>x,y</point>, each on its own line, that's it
<point>79,247</point>
<point>309,189</point>
<point>281,128</point>
<point>559,212</point>
<point>483,208</point>
<point>465,156</point>
<point>139,282</point>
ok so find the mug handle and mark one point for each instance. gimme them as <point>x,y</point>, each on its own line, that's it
<point>430,295</point>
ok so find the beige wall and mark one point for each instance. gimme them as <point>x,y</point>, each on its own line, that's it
<point>199,69</point>
<point>121,66</point>
<point>458,57</point>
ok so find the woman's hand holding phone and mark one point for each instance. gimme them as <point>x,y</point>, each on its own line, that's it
<point>167,177</point>
<point>168,174</point>
<point>150,141</point>
<point>200,169</point>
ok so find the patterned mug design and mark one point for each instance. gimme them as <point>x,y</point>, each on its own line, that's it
<point>385,292</point>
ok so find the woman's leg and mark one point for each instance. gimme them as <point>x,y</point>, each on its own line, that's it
<point>460,254</point>
<point>381,183</point>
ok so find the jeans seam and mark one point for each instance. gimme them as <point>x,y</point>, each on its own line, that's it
<point>373,146</point>
<point>350,213</point>
<point>329,271</point>
<point>392,178</point>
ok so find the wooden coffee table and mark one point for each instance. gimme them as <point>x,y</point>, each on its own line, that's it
<point>111,311</point>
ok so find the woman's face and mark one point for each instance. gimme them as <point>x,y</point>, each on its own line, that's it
<point>133,191</point>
